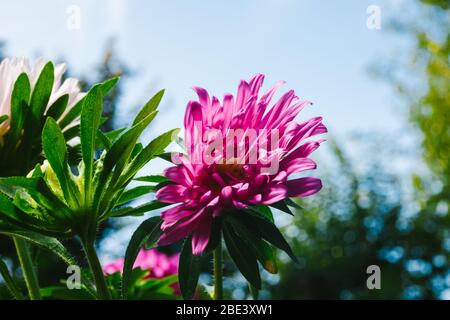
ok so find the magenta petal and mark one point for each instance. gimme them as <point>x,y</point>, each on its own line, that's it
<point>179,175</point>
<point>192,118</point>
<point>303,187</point>
<point>200,237</point>
<point>226,194</point>
<point>180,230</point>
<point>256,83</point>
<point>276,193</point>
<point>203,95</point>
<point>174,215</point>
<point>304,150</point>
<point>173,193</point>
<point>298,165</point>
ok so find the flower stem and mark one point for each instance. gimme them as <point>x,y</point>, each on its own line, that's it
<point>29,273</point>
<point>218,276</point>
<point>96,268</point>
<point>10,284</point>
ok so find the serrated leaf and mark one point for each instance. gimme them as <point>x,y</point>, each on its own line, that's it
<point>148,231</point>
<point>9,213</point>
<point>188,270</point>
<point>48,243</point>
<point>11,285</point>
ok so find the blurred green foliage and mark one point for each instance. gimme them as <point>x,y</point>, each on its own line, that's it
<point>361,219</point>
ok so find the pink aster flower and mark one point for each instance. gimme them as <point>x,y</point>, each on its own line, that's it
<point>10,69</point>
<point>240,152</point>
<point>159,264</point>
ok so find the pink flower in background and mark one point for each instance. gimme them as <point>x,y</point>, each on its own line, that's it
<point>159,264</point>
<point>224,170</point>
<point>10,69</point>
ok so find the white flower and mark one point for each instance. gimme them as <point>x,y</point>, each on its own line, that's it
<point>10,69</point>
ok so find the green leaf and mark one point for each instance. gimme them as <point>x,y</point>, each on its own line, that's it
<point>48,243</point>
<point>11,285</point>
<point>75,111</point>
<point>188,270</point>
<point>114,134</point>
<point>19,105</point>
<point>155,179</point>
<point>242,256</point>
<point>122,148</point>
<point>134,193</point>
<point>72,114</point>
<point>117,158</point>
<point>65,293</point>
<point>148,231</point>
<point>149,107</point>
<point>282,206</point>
<point>262,210</point>
<point>90,122</point>
<point>55,150</point>
<point>42,91</point>
<point>14,216</point>
<point>158,284</point>
<point>216,234</point>
<point>58,107</point>
<point>166,156</point>
<point>71,132</point>
<point>260,248</point>
<point>268,231</point>
<point>108,85</point>
<point>292,203</point>
<point>136,211</point>
<point>3,118</point>
<point>154,148</point>
<point>102,141</point>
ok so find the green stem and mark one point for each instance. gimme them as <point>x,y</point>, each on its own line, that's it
<point>96,268</point>
<point>218,276</point>
<point>12,286</point>
<point>28,270</point>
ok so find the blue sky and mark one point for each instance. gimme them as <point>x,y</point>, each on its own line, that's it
<point>321,48</point>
